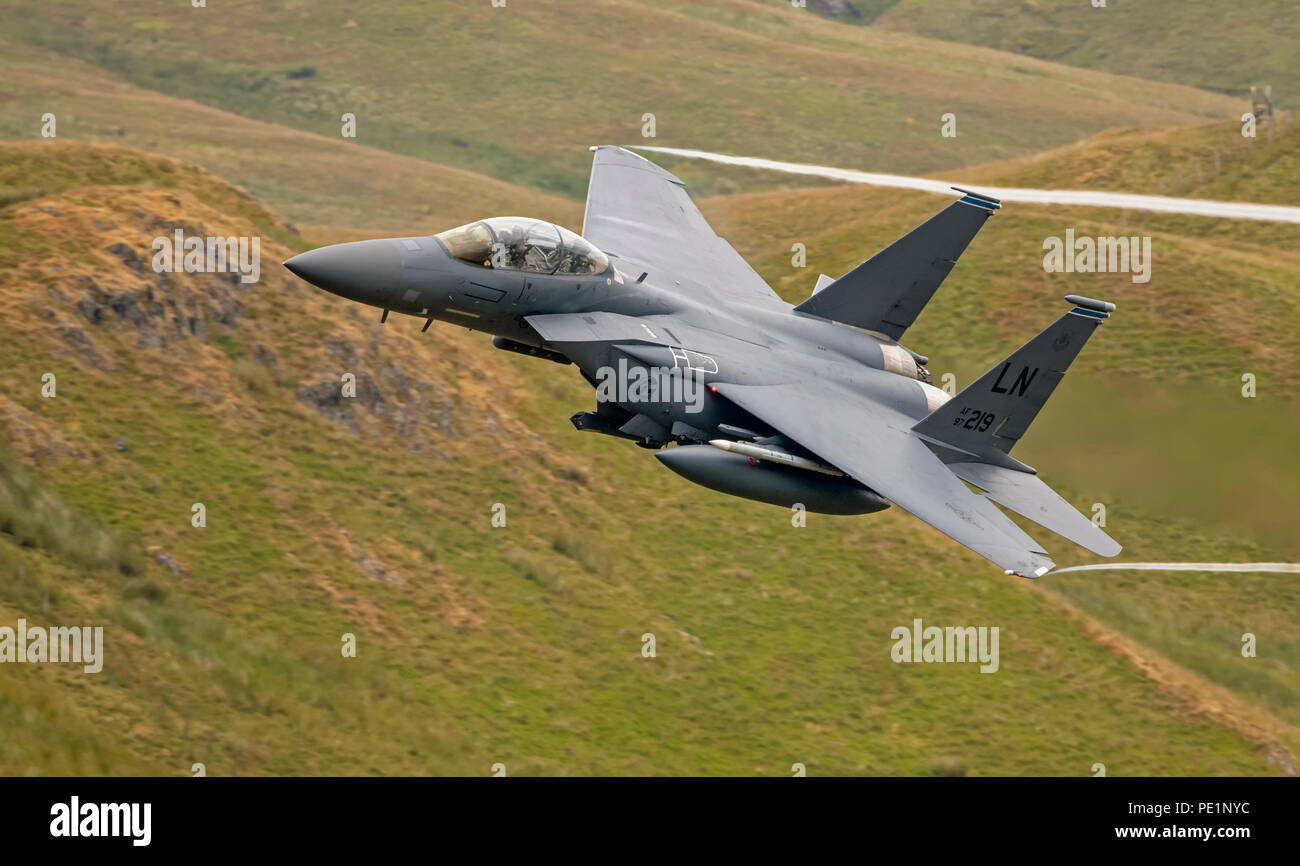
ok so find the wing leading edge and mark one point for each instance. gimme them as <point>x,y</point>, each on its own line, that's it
<point>891,460</point>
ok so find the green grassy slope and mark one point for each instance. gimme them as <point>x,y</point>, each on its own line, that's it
<point>521,644</point>
<point>519,92</point>
<point>1150,421</point>
<point>1217,46</point>
<point>369,191</point>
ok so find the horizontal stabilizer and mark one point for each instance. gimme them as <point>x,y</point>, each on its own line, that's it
<point>888,291</point>
<point>1028,496</point>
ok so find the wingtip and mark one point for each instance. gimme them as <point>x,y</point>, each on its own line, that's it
<point>979,195</point>
<point>1037,573</point>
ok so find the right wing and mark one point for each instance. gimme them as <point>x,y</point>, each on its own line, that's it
<point>882,453</point>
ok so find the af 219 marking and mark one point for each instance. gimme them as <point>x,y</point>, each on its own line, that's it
<point>1019,386</point>
<point>974,419</point>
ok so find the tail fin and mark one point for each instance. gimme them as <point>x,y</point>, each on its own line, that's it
<point>888,291</point>
<point>990,416</point>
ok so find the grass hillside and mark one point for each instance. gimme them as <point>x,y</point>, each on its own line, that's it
<point>1150,421</point>
<point>1202,43</point>
<point>372,516</point>
<point>519,92</point>
<point>369,191</point>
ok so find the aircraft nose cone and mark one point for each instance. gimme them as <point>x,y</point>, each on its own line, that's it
<point>365,271</point>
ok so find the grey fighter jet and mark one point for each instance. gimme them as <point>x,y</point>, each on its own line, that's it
<point>817,405</point>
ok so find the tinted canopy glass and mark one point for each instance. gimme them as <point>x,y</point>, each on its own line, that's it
<point>519,244</point>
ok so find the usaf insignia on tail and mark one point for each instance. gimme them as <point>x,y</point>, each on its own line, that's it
<point>686,345</point>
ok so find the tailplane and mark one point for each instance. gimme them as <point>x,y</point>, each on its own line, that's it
<point>1028,496</point>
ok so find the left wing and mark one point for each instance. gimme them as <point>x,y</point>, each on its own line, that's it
<point>641,214</point>
<point>880,451</point>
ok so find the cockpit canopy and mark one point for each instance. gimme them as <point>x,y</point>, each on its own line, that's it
<point>519,244</point>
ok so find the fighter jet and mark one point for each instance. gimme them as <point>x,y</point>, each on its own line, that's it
<point>692,354</point>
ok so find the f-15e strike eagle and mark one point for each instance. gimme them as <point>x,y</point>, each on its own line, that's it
<point>817,404</point>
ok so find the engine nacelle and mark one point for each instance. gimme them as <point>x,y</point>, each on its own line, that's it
<point>764,481</point>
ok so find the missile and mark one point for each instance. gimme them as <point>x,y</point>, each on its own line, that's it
<point>762,452</point>
<point>524,349</point>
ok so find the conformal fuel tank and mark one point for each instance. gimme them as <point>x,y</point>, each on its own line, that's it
<point>769,482</point>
